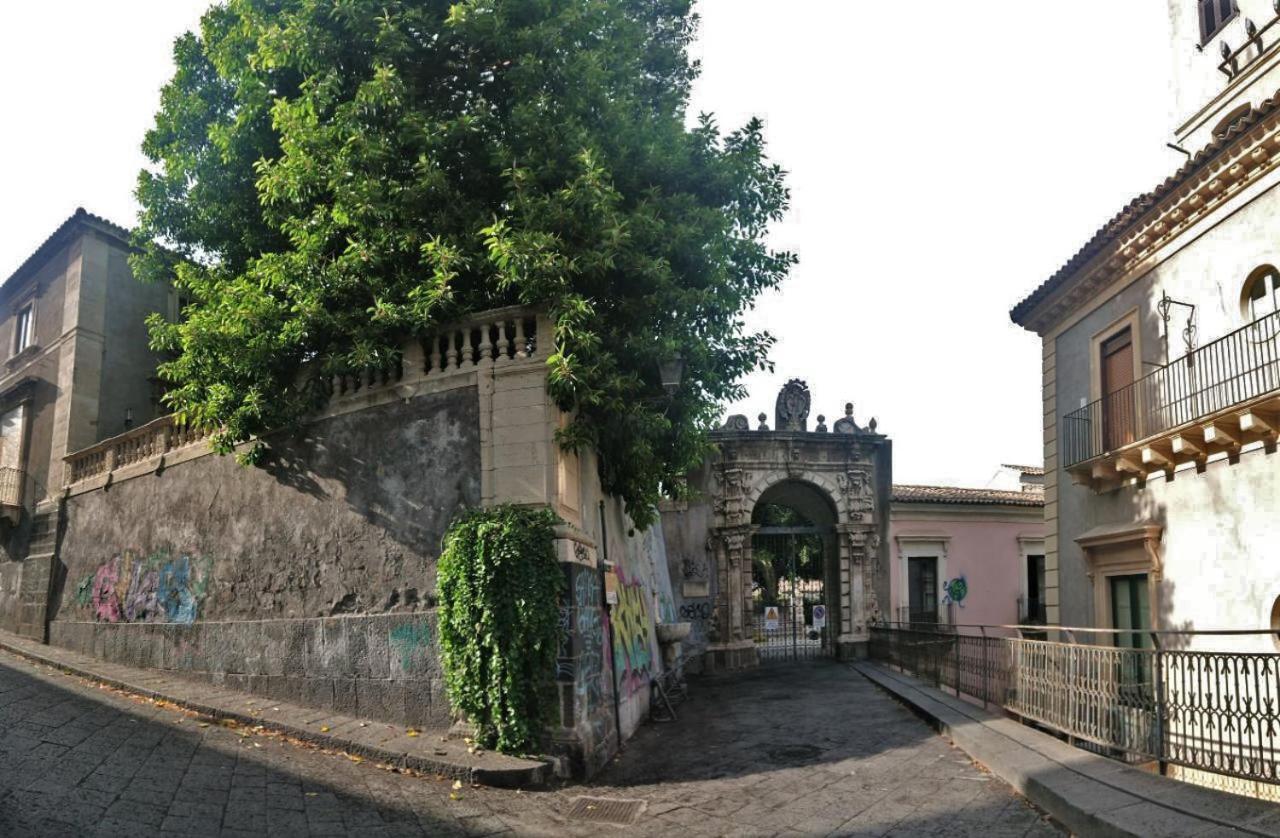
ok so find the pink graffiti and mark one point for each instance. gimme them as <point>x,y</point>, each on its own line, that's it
<point>106,605</point>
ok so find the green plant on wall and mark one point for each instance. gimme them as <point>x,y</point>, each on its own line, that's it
<point>500,585</point>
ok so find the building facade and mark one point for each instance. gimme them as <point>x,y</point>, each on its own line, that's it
<point>77,368</point>
<point>1161,374</point>
<point>968,556</point>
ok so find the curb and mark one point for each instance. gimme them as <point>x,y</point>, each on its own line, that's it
<point>1087,793</point>
<point>537,774</point>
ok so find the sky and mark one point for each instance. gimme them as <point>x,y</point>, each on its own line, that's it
<point>942,164</point>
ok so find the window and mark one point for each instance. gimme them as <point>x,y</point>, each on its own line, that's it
<point>1215,14</point>
<point>1261,294</point>
<point>1119,419</point>
<point>1035,590</point>
<point>922,589</point>
<point>23,328</point>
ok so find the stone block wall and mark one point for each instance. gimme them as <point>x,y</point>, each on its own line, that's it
<point>377,666</point>
<point>311,579</point>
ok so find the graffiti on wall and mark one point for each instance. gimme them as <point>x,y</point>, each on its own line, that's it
<point>955,590</point>
<point>589,675</point>
<point>159,588</point>
<point>695,610</point>
<point>411,642</point>
<point>632,650</point>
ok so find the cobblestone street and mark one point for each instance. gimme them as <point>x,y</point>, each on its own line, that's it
<point>793,751</point>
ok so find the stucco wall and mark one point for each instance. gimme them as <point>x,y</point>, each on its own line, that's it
<point>982,547</point>
<point>311,579</point>
<point>1202,95</point>
<point>1218,525</point>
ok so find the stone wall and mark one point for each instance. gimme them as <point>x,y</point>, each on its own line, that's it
<point>311,579</point>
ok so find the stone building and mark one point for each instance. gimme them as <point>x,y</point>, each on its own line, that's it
<point>76,369</point>
<point>968,556</point>
<point>1161,366</point>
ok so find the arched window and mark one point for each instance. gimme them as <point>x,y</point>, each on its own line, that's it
<point>1215,14</point>
<point>1261,295</point>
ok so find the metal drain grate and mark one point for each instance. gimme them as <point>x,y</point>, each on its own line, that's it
<point>605,810</point>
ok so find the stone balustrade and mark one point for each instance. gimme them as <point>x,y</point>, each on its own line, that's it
<point>144,444</point>
<point>496,338</point>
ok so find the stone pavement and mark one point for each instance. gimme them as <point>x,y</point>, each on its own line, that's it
<point>793,751</point>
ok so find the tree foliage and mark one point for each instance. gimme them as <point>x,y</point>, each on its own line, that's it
<point>500,586</point>
<point>331,176</point>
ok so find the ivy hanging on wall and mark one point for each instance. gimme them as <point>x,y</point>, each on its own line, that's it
<point>500,585</point>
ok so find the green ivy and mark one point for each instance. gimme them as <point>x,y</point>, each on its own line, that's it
<point>500,586</point>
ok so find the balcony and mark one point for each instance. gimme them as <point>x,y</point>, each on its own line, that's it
<point>1031,612</point>
<point>12,481</point>
<point>1213,400</point>
<point>937,618</point>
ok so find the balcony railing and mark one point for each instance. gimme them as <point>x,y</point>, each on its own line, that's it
<point>1031,612</point>
<point>942,616</point>
<point>1230,372</point>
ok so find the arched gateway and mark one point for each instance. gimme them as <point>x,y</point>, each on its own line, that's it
<point>781,558</point>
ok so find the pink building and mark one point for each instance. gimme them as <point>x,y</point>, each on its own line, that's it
<point>968,556</point>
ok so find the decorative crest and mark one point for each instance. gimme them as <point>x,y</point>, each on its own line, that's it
<point>792,410</point>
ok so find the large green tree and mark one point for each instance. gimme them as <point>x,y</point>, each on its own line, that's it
<point>332,175</point>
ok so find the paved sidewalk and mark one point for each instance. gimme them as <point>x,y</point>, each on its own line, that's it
<point>787,751</point>
<point>1090,794</point>
<point>427,751</point>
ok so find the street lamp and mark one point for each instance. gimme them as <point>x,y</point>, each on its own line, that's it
<point>670,371</point>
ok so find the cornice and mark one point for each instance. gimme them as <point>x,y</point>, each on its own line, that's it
<point>1237,166</point>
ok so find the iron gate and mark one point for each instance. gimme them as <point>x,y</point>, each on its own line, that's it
<point>792,617</point>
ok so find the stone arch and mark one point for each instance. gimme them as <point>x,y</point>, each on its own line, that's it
<point>822,484</point>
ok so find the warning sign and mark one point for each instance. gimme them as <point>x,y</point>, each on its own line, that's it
<point>771,618</point>
<point>819,617</point>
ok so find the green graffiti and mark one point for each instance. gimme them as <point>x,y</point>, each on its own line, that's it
<point>410,641</point>
<point>84,591</point>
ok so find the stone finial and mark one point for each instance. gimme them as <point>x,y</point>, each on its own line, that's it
<point>822,424</point>
<point>847,425</point>
<point>764,422</point>
<point>872,424</point>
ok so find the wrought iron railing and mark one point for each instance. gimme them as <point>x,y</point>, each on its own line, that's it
<point>943,615</point>
<point>1234,369</point>
<point>1031,612</point>
<point>1154,699</point>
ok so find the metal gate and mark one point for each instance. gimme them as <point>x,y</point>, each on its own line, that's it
<point>792,617</point>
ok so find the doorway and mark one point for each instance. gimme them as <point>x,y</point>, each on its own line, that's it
<point>792,550</point>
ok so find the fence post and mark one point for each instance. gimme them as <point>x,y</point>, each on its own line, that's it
<point>957,659</point>
<point>986,669</point>
<point>1157,676</point>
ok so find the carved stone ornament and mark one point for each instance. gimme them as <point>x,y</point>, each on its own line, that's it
<point>847,425</point>
<point>792,410</point>
<point>737,422</point>
<point>856,487</point>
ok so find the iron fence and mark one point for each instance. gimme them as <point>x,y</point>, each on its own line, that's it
<point>1236,368</point>
<point>1156,699</point>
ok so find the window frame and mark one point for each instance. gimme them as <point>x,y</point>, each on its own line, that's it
<point>28,308</point>
<point>1207,34</point>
